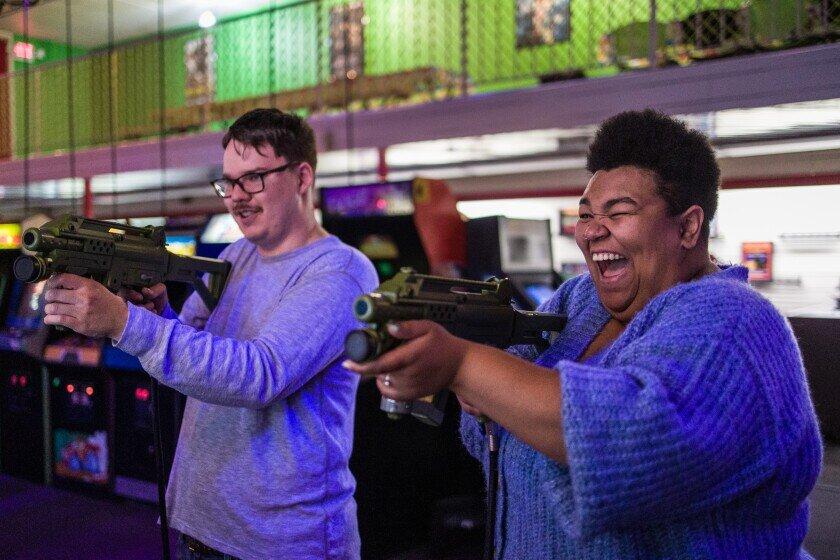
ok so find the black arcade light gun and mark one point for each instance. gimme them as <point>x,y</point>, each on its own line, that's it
<point>474,310</point>
<point>115,255</point>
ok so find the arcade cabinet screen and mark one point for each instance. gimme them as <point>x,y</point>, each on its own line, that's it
<point>155,221</point>
<point>379,199</point>
<point>29,312</point>
<point>81,456</point>
<point>538,293</point>
<point>221,228</point>
<point>525,245</point>
<point>9,236</point>
<point>183,245</point>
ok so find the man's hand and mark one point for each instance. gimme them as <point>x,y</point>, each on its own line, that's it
<point>154,299</point>
<point>425,363</point>
<point>85,306</point>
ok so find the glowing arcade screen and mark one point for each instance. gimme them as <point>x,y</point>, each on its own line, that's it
<point>183,245</point>
<point>538,293</point>
<point>10,236</point>
<point>29,312</point>
<point>81,456</point>
<point>221,228</point>
<point>378,199</point>
<point>155,221</point>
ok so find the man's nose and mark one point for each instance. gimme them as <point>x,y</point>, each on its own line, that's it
<point>238,193</point>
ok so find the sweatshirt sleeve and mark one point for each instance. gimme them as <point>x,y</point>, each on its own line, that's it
<point>301,337</point>
<point>683,418</point>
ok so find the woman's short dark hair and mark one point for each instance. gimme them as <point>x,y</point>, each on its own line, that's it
<point>289,135</point>
<point>682,159</point>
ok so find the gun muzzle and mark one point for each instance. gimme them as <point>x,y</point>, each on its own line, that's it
<point>363,345</point>
<point>363,308</point>
<point>29,268</point>
<point>35,240</point>
<point>32,239</point>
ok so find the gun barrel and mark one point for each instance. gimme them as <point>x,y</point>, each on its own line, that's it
<point>29,268</point>
<point>375,310</point>
<point>379,310</point>
<point>38,241</point>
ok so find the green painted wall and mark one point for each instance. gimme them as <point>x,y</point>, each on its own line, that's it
<point>399,35</point>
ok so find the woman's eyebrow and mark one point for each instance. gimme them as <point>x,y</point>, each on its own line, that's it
<point>610,203</point>
<point>622,200</point>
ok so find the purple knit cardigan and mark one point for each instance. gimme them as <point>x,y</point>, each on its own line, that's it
<point>693,436</point>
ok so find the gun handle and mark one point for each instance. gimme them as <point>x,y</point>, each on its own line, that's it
<point>192,269</point>
<point>430,410</point>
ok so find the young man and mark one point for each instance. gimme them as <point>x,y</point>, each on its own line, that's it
<point>261,468</point>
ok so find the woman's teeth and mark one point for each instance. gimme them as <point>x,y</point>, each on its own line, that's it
<point>597,257</point>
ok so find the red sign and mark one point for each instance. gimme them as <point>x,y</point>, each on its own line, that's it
<point>758,258</point>
<point>23,50</point>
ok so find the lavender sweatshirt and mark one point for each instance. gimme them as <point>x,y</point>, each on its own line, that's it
<point>261,469</point>
<point>692,436</point>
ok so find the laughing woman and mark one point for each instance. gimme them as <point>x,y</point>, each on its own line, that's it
<point>671,417</point>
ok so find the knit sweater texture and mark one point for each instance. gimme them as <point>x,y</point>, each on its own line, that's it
<point>692,436</point>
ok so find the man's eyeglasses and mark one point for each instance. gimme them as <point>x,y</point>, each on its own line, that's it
<point>251,183</point>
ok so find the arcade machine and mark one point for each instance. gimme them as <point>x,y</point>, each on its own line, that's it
<point>81,437</point>
<point>221,230</point>
<point>22,333</point>
<point>9,250</point>
<point>512,248</point>
<point>135,474</point>
<point>377,219</point>
<point>399,224</point>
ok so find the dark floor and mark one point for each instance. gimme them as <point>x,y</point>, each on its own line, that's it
<point>37,523</point>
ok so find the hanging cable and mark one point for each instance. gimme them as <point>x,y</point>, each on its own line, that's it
<point>71,125</point>
<point>112,140</point>
<point>157,431</point>
<point>271,55</point>
<point>349,136</point>
<point>26,70</point>
<point>162,106</point>
<point>492,438</point>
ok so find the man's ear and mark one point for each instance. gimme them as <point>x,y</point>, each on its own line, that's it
<point>691,225</point>
<point>306,176</point>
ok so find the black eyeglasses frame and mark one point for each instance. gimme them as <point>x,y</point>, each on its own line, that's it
<point>220,185</point>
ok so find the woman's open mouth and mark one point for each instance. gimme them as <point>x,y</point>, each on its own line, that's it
<point>610,265</point>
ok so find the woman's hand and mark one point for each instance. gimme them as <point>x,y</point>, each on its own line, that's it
<point>426,362</point>
<point>522,397</point>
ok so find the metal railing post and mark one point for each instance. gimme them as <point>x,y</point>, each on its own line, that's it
<point>653,35</point>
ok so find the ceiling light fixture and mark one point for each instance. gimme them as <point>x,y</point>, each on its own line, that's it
<point>206,19</point>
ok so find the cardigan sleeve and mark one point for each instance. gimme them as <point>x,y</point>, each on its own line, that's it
<point>472,432</point>
<point>681,418</point>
